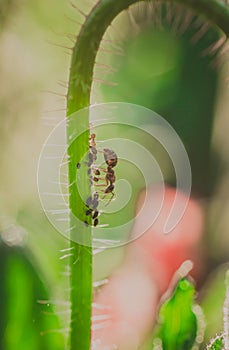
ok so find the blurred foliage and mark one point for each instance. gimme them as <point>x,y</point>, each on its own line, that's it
<point>27,321</point>
<point>212,298</point>
<point>6,7</point>
<point>216,344</point>
<point>177,321</point>
<point>182,328</point>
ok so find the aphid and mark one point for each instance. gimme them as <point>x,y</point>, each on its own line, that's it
<point>93,150</point>
<point>90,159</point>
<point>89,212</point>
<point>96,196</point>
<point>92,203</point>
<point>95,215</point>
<point>95,201</point>
<point>88,201</point>
<point>78,165</point>
<point>96,171</point>
<point>86,223</point>
<point>93,153</point>
<point>96,221</point>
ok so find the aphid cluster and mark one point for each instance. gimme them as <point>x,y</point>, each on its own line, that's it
<point>94,172</point>
<point>92,155</point>
<point>92,204</point>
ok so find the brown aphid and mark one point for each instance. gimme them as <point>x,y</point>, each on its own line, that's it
<point>96,221</point>
<point>96,172</point>
<point>95,215</point>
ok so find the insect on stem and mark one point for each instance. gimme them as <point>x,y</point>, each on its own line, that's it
<point>94,173</point>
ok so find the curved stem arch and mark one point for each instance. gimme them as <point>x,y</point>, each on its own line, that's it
<point>95,26</point>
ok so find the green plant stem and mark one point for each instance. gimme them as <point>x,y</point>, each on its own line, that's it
<point>80,81</point>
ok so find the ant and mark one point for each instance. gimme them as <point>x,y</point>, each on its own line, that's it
<point>110,175</point>
<point>111,160</point>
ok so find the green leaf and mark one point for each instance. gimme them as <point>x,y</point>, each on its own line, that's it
<point>178,329</point>
<point>25,323</point>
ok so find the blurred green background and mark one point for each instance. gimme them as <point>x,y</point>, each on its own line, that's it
<point>167,71</point>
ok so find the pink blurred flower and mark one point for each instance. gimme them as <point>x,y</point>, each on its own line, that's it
<point>130,299</point>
